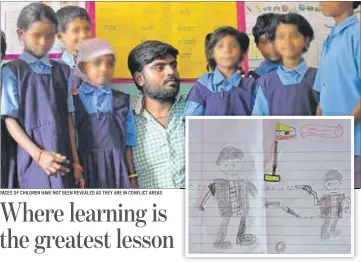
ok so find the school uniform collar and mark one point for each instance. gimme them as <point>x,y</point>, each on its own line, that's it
<point>30,59</point>
<point>269,64</point>
<point>87,89</point>
<point>301,69</point>
<point>219,78</point>
<point>344,24</point>
<point>68,59</point>
<point>139,103</point>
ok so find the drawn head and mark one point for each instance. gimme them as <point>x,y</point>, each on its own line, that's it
<point>153,66</point>
<point>292,35</point>
<point>230,161</point>
<point>73,28</point>
<point>3,45</point>
<point>225,48</point>
<point>337,8</point>
<point>96,62</point>
<point>333,180</point>
<point>37,26</point>
<point>261,33</point>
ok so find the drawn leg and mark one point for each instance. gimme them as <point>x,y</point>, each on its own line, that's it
<point>325,230</point>
<point>333,230</point>
<point>222,233</point>
<point>242,238</point>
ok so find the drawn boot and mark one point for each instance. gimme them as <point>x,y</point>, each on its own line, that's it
<point>223,245</point>
<point>336,232</point>
<point>325,230</point>
<point>325,235</point>
<point>246,239</point>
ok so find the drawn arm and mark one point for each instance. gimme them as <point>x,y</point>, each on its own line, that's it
<point>252,189</point>
<point>347,205</point>
<point>310,191</point>
<point>323,206</point>
<point>210,192</point>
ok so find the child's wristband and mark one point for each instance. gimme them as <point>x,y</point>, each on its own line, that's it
<point>78,167</point>
<point>133,176</point>
<point>37,160</point>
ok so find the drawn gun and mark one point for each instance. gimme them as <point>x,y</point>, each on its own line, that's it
<point>310,191</point>
<point>282,206</point>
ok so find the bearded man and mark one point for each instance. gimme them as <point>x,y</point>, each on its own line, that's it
<point>159,154</point>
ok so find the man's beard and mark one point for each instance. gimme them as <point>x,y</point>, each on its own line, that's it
<point>162,94</point>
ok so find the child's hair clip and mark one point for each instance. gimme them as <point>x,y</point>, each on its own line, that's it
<point>75,91</point>
<point>253,75</point>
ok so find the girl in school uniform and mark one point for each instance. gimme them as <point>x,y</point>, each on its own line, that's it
<point>223,91</point>
<point>104,120</point>
<point>289,90</point>
<point>34,104</point>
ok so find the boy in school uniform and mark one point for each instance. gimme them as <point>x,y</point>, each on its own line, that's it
<point>261,32</point>
<point>73,29</point>
<point>339,79</point>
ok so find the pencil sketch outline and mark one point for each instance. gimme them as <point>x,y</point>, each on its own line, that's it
<point>332,204</point>
<point>232,196</point>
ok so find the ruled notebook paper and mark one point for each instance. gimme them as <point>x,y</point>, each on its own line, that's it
<point>269,186</point>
